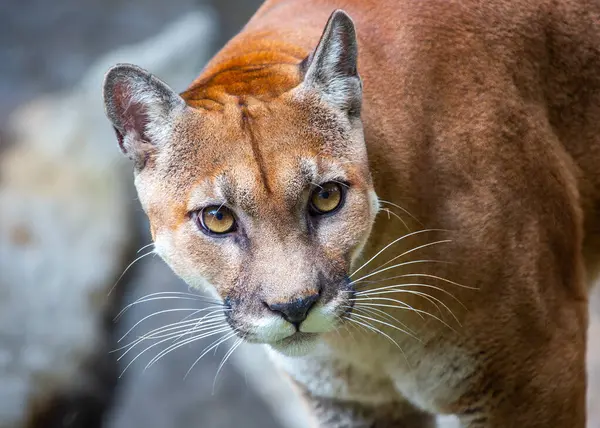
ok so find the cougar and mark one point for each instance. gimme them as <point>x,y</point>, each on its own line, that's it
<point>400,201</point>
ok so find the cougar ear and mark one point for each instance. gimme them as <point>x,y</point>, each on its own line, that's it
<point>332,67</point>
<point>141,109</point>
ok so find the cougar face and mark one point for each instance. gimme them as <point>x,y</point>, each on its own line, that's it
<point>266,200</point>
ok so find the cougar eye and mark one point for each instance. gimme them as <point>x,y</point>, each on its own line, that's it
<point>326,198</point>
<point>217,220</point>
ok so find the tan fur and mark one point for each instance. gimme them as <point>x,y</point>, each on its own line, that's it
<point>482,120</point>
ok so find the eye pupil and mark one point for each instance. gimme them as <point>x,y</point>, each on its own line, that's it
<point>217,220</point>
<point>326,199</point>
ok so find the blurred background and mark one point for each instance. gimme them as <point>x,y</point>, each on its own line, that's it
<point>70,225</point>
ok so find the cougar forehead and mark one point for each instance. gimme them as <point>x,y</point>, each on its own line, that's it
<point>252,154</point>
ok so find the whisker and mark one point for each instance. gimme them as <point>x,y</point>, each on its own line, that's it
<point>388,324</point>
<point>366,292</point>
<point>224,360</point>
<point>144,247</point>
<point>412,262</point>
<point>164,311</point>
<point>173,347</point>
<point>167,295</point>
<point>389,245</point>
<point>388,211</point>
<point>367,302</point>
<point>375,311</point>
<point>425,275</point>
<point>440,278</point>
<point>120,314</point>
<point>126,269</point>
<point>175,332</point>
<point>156,344</point>
<point>209,348</point>
<point>209,316</point>
<point>185,318</point>
<point>431,299</point>
<point>174,329</point>
<point>192,325</point>
<point>345,325</point>
<point>341,318</point>
<point>400,208</point>
<point>415,249</point>
<point>375,329</point>
<point>405,305</point>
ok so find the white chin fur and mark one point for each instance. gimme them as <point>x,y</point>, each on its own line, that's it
<point>297,348</point>
<point>271,329</point>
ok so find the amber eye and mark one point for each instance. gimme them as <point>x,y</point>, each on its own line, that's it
<point>326,198</point>
<point>217,220</point>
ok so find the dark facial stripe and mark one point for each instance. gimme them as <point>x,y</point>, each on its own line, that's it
<point>258,158</point>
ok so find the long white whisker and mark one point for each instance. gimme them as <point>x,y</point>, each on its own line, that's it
<point>389,245</point>
<point>208,315</point>
<point>221,328</point>
<point>362,329</point>
<point>375,329</point>
<point>154,345</point>
<point>388,211</point>
<point>415,249</point>
<point>167,295</point>
<point>437,277</point>
<point>120,314</point>
<point>209,348</point>
<point>175,333</point>
<point>400,208</point>
<point>144,247</point>
<point>412,262</point>
<point>174,329</point>
<point>164,311</point>
<point>127,268</point>
<point>156,333</point>
<point>375,311</point>
<point>346,326</point>
<point>386,323</point>
<point>224,360</point>
<point>405,306</point>
<point>367,292</point>
<point>431,299</point>
<point>368,301</point>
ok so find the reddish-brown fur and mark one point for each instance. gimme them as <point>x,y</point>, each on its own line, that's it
<point>481,118</point>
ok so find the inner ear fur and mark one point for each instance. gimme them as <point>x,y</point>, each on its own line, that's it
<point>141,109</point>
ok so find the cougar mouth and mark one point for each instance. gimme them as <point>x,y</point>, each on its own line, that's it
<point>297,344</point>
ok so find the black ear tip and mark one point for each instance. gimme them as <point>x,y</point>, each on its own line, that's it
<point>340,17</point>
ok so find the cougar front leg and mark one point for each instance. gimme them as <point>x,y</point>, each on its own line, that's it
<point>542,384</point>
<point>331,413</point>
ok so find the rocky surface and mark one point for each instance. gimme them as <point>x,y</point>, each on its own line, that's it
<point>64,235</point>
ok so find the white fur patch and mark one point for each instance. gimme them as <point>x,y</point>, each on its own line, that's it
<point>320,319</point>
<point>271,329</point>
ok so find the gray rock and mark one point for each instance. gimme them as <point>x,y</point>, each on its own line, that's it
<point>66,227</point>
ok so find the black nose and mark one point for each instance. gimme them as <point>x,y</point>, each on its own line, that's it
<point>295,311</point>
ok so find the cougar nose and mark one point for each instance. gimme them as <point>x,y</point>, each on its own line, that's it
<point>295,311</point>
